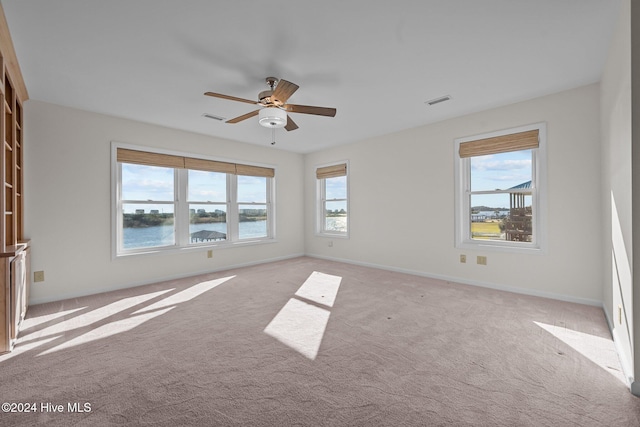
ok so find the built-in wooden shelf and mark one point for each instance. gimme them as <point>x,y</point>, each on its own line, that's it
<point>14,253</point>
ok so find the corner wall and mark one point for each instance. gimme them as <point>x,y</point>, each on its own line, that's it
<point>635,159</point>
<point>68,202</point>
<point>617,194</point>
<point>402,201</point>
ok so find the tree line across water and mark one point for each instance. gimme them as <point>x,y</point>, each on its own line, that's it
<point>143,220</point>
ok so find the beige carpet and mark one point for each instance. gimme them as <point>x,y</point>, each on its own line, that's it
<point>308,342</point>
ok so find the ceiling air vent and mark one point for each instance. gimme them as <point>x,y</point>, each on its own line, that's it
<point>211,116</point>
<point>438,100</point>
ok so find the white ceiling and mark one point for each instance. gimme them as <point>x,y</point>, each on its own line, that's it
<point>376,61</point>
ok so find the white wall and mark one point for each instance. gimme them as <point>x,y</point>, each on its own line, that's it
<point>635,160</point>
<point>617,199</point>
<point>68,202</point>
<point>402,201</point>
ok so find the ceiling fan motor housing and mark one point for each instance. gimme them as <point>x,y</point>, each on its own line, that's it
<point>265,97</point>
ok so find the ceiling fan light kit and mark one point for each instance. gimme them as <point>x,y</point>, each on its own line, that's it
<point>272,117</point>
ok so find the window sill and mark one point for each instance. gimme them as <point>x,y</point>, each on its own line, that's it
<point>192,248</point>
<point>333,235</point>
<point>501,247</point>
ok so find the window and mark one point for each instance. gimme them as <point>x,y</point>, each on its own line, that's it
<point>501,189</point>
<point>148,206</point>
<point>166,201</point>
<point>333,200</point>
<point>252,206</point>
<point>207,200</point>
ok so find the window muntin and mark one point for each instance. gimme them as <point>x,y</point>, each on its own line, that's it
<point>333,201</point>
<point>169,207</point>
<point>499,194</point>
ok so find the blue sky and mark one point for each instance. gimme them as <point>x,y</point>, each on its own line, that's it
<point>140,182</point>
<point>499,171</point>
<point>336,188</point>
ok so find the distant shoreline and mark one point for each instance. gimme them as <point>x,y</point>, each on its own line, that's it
<point>155,220</point>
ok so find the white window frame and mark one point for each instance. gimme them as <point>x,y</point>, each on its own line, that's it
<point>234,208</point>
<point>463,192</point>
<point>321,203</point>
<point>183,179</point>
<point>181,208</point>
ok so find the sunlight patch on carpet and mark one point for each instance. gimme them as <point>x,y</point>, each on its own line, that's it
<point>600,351</point>
<point>76,321</point>
<point>321,288</point>
<point>29,345</point>
<point>108,330</point>
<point>186,295</point>
<point>98,314</point>
<point>32,322</point>
<point>301,325</point>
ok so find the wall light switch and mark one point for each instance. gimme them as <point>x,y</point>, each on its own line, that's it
<point>482,260</point>
<point>38,276</point>
<point>463,258</point>
<point>210,253</point>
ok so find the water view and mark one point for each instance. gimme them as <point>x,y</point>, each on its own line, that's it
<point>163,235</point>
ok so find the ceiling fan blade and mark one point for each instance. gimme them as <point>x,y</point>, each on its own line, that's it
<point>291,125</point>
<point>243,117</point>
<point>307,109</point>
<point>284,90</point>
<point>231,98</point>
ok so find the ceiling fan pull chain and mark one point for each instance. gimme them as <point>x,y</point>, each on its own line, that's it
<point>273,136</point>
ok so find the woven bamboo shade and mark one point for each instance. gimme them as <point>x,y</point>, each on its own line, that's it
<point>254,171</point>
<point>331,171</point>
<point>500,144</point>
<point>125,155</point>
<point>150,159</point>
<point>209,165</point>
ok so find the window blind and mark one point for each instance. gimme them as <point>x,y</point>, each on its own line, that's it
<point>500,144</point>
<point>156,159</point>
<point>331,171</point>
<point>254,171</point>
<point>150,159</point>
<point>209,165</point>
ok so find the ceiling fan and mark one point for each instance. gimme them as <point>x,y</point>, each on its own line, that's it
<point>274,107</point>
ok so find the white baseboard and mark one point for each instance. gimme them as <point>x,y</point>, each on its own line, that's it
<point>522,291</point>
<point>68,295</point>
<point>625,364</point>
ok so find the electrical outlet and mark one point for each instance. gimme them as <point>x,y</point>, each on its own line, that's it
<point>620,314</point>
<point>463,258</point>
<point>210,253</point>
<point>482,260</point>
<point>38,276</point>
